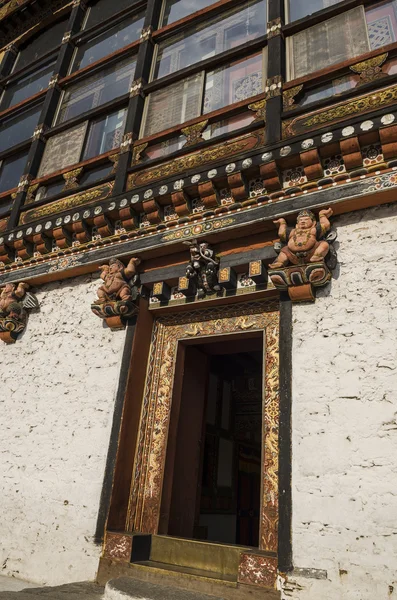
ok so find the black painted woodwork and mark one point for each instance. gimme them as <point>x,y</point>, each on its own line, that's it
<point>285,434</point>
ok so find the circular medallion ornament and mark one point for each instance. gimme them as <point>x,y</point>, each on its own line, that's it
<point>347,131</point>
<point>97,210</point>
<point>86,214</point>
<point>19,234</point>
<point>1,240</point>
<point>148,194</point>
<point>267,156</point>
<point>134,199</point>
<point>38,228</point>
<point>367,125</point>
<point>307,144</point>
<point>178,185</point>
<point>230,167</point>
<point>163,190</point>
<point>11,236</point>
<point>67,219</point>
<point>58,222</point>
<point>112,206</point>
<point>327,137</point>
<point>48,225</point>
<point>195,178</point>
<point>30,230</point>
<point>213,173</point>
<point>285,151</point>
<point>387,119</point>
<point>76,217</point>
<point>246,163</point>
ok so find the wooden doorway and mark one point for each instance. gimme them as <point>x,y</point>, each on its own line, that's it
<point>214,454</point>
<point>176,338</point>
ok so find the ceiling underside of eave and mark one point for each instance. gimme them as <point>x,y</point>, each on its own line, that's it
<point>18,16</point>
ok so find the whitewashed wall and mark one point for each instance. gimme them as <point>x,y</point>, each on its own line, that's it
<point>345,420</point>
<point>57,391</point>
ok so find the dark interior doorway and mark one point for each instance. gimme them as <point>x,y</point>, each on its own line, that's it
<point>213,467</point>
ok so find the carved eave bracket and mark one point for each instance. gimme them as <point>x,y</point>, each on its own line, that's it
<point>300,281</point>
<point>15,304</point>
<point>202,270</point>
<point>306,256</point>
<point>117,297</point>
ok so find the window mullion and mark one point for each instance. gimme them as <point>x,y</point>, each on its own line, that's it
<point>275,70</point>
<point>137,101</point>
<point>47,114</point>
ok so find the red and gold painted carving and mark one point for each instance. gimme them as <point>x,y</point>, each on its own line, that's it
<point>118,546</point>
<point>255,569</point>
<point>146,489</point>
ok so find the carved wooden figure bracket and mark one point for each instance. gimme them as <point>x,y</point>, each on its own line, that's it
<point>116,297</point>
<point>306,255</point>
<point>15,303</point>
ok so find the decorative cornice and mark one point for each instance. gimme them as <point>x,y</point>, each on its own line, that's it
<point>136,88</point>
<point>193,133</point>
<point>371,69</point>
<point>274,28</point>
<point>146,33</point>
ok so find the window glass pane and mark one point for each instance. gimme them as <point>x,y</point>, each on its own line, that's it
<point>331,88</point>
<point>11,171</point>
<point>97,90</point>
<point>382,24</point>
<point>233,83</point>
<point>104,9</point>
<point>105,134</point>
<point>177,9</point>
<point>27,86</point>
<point>228,125</point>
<point>18,129</point>
<point>41,43</point>
<point>174,104</point>
<point>95,174</point>
<point>328,43</point>
<point>297,9</point>
<point>115,38</point>
<point>219,34</point>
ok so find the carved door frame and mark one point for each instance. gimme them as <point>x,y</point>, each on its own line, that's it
<point>168,331</point>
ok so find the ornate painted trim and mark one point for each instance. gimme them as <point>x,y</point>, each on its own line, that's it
<point>99,193</point>
<point>196,159</point>
<point>340,111</point>
<point>146,489</point>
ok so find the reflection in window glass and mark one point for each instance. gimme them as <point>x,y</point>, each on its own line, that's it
<point>297,9</point>
<point>233,83</point>
<point>95,174</point>
<point>105,134</point>
<point>113,39</point>
<point>18,129</point>
<point>382,24</point>
<point>174,104</point>
<point>27,86</point>
<point>103,9</point>
<point>165,148</point>
<point>328,43</point>
<point>41,43</point>
<point>11,171</point>
<point>97,90</point>
<point>228,125</point>
<point>219,34</point>
<point>177,9</point>
<point>331,88</point>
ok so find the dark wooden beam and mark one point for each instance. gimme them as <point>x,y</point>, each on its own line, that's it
<point>285,435</point>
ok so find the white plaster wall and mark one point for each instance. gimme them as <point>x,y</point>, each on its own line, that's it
<point>345,420</point>
<point>57,391</point>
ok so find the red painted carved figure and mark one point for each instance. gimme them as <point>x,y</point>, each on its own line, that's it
<point>305,242</point>
<point>10,295</point>
<point>116,279</point>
